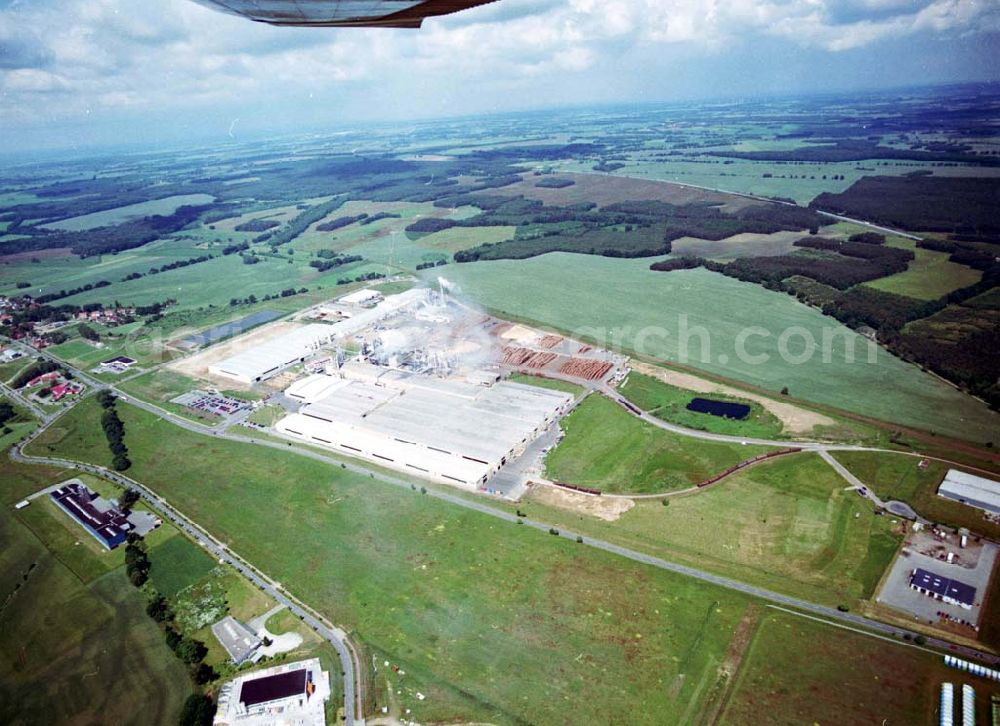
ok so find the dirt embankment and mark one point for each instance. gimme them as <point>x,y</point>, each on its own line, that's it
<point>794,419</point>
<point>607,508</point>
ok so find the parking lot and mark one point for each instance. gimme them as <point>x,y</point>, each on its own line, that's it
<point>972,565</point>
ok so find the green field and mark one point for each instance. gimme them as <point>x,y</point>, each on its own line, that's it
<point>464,238</point>
<point>162,385</point>
<point>178,563</point>
<point>929,276</point>
<point>670,404</point>
<point>506,623</point>
<point>622,303</point>
<point>68,272</point>
<point>787,525</point>
<point>895,476</point>
<point>267,415</point>
<point>748,176</point>
<point>841,677</point>
<point>117,215</point>
<point>70,651</point>
<point>608,448</point>
<point>550,383</point>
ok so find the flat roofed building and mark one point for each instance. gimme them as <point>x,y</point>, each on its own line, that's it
<point>268,359</point>
<point>943,588</point>
<point>103,520</point>
<point>362,297</point>
<point>314,387</point>
<point>446,430</point>
<point>240,642</point>
<point>292,693</point>
<point>975,491</point>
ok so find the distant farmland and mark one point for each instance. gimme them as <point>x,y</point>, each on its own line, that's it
<point>621,300</point>
<point>167,205</point>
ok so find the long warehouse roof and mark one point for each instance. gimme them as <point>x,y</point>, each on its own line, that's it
<point>974,488</point>
<point>280,352</point>
<point>275,353</point>
<point>484,423</point>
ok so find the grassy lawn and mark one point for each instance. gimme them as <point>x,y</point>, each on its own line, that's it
<point>841,677</point>
<point>11,369</point>
<point>178,563</point>
<point>514,624</point>
<point>549,383</point>
<point>894,476</point>
<point>74,652</point>
<point>160,386</point>
<point>787,525</point>
<point>929,276</point>
<point>624,304</point>
<point>267,415</point>
<point>18,430</point>
<point>670,404</point>
<point>607,448</point>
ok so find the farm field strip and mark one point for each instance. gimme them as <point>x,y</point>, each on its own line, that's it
<point>622,304</point>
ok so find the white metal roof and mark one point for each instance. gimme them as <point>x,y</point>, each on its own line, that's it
<point>267,358</point>
<point>377,446</point>
<point>458,430</point>
<point>276,353</point>
<point>313,388</point>
<point>970,487</point>
<point>361,296</point>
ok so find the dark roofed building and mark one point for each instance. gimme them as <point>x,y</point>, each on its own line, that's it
<point>943,588</point>
<point>108,524</point>
<point>274,688</point>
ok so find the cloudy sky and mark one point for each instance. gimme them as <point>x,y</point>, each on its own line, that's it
<point>96,72</point>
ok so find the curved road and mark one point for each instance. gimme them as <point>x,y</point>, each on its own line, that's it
<point>340,644</point>
<point>484,508</point>
<point>335,636</point>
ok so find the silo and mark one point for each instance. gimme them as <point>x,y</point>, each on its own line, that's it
<point>968,706</point>
<point>947,704</point>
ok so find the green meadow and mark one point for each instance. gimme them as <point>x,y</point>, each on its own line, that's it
<point>503,623</point>
<point>609,449</point>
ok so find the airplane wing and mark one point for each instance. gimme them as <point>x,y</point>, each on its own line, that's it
<point>342,13</point>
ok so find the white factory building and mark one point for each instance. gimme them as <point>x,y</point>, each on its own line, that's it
<point>362,297</point>
<point>975,491</point>
<point>451,431</point>
<point>268,359</point>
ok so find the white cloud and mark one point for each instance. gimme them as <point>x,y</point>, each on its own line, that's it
<point>176,54</point>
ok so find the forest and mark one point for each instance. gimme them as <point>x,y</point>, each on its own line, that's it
<point>957,205</point>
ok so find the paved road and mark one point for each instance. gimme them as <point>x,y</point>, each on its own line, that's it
<point>900,509</point>
<point>219,551</point>
<point>16,397</point>
<point>768,595</point>
<point>830,613</point>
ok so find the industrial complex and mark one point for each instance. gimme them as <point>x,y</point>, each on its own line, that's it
<point>417,381</point>
<point>290,693</point>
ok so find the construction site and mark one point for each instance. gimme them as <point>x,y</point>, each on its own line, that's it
<point>418,381</point>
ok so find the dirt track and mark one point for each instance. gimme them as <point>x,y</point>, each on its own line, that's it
<point>608,509</point>
<point>794,419</point>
